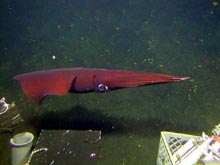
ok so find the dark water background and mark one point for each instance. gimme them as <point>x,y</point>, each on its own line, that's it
<point>175,37</point>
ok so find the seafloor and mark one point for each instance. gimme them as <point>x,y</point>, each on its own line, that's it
<point>175,37</point>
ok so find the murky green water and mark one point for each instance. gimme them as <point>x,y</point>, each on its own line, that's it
<point>174,37</point>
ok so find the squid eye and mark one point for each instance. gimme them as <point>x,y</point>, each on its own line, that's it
<point>102,88</point>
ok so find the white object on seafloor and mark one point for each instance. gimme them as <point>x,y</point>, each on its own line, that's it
<point>21,147</point>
